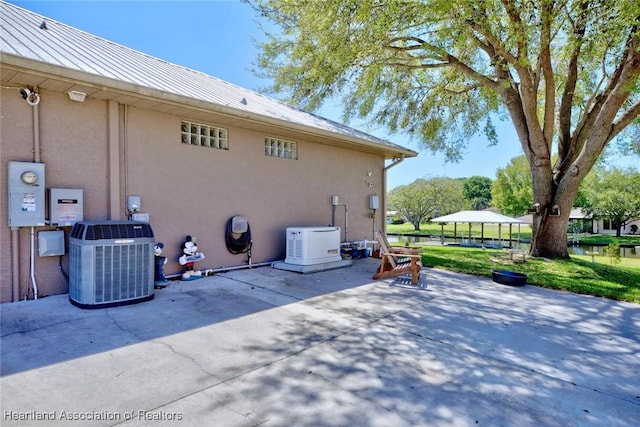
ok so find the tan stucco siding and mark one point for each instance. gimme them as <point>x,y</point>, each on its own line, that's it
<point>186,190</point>
<point>190,190</point>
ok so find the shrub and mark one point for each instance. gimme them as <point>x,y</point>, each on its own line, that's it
<point>613,251</point>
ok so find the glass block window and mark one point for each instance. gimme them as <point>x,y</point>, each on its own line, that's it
<point>204,135</point>
<point>280,148</point>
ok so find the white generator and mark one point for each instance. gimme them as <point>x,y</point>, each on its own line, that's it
<point>313,245</point>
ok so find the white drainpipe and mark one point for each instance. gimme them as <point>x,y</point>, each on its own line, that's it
<point>396,161</point>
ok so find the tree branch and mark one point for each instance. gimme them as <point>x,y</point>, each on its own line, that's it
<point>447,60</point>
<point>518,27</point>
<point>564,113</point>
<point>465,89</point>
<point>547,71</point>
<point>629,116</point>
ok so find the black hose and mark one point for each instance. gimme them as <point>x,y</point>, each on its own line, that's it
<point>240,245</point>
<point>66,276</point>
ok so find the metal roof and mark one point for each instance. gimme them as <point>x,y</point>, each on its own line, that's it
<point>67,51</point>
<point>482,217</point>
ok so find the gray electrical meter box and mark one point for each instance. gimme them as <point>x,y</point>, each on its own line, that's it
<point>65,206</point>
<point>26,194</point>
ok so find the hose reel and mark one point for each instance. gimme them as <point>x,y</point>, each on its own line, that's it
<point>238,236</point>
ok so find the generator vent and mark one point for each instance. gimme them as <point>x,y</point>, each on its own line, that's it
<point>110,263</point>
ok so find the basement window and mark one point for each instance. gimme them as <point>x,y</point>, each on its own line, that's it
<point>204,135</point>
<point>280,148</point>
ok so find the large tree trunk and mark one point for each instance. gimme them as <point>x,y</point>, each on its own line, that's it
<point>549,237</point>
<point>551,222</point>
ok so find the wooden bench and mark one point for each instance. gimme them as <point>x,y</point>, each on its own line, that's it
<point>518,254</point>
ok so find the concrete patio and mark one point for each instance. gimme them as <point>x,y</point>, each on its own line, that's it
<point>335,348</point>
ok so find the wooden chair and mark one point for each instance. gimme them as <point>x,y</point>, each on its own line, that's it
<point>397,261</point>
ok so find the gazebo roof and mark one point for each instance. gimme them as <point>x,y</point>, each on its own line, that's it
<point>479,217</point>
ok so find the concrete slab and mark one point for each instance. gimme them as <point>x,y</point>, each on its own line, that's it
<point>313,268</point>
<point>273,347</point>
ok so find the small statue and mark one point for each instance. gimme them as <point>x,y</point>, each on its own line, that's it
<point>188,259</point>
<point>160,281</point>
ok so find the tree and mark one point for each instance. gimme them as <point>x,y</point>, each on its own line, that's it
<point>477,190</point>
<point>424,199</point>
<point>511,191</point>
<point>614,195</point>
<point>564,72</point>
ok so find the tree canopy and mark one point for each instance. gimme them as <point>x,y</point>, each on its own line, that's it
<point>424,199</point>
<point>477,189</point>
<point>511,191</point>
<point>613,194</point>
<point>565,72</point>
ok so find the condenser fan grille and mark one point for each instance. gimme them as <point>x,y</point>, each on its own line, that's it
<point>127,230</point>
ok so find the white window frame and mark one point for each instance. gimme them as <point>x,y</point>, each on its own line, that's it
<point>204,135</point>
<point>277,147</point>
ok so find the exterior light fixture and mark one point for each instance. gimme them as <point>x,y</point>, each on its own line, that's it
<point>77,96</point>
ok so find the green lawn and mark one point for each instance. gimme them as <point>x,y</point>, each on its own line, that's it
<point>578,274</point>
<point>491,232</point>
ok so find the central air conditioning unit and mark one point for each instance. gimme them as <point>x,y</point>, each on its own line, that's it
<point>313,245</point>
<point>110,263</point>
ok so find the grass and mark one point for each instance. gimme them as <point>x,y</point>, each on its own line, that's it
<point>578,274</point>
<point>602,239</point>
<point>491,232</point>
<point>462,230</point>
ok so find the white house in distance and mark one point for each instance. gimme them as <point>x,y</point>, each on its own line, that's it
<point>583,223</point>
<point>106,122</point>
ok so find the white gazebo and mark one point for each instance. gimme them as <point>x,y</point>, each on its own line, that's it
<point>478,217</point>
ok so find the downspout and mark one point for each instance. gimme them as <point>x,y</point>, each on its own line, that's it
<point>113,160</point>
<point>396,161</point>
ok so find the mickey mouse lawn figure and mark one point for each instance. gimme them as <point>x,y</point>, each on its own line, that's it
<point>188,259</point>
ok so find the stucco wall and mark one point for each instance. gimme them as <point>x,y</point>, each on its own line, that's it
<point>186,190</point>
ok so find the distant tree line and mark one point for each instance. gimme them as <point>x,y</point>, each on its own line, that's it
<point>606,193</point>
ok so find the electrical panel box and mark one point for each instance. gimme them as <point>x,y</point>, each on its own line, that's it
<point>51,243</point>
<point>26,194</point>
<point>140,216</point>
<point>65,206</point>
<point>134,203</point>
<point>374,202</point>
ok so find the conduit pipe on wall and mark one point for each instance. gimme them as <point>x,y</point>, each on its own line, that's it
<point>32,263</point>
<point>15,265</point>
<point>383,207</point>
<point>35,102</point>
<point>36,128</point>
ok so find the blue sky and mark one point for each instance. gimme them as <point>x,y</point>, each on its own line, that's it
<point>218,37</point>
